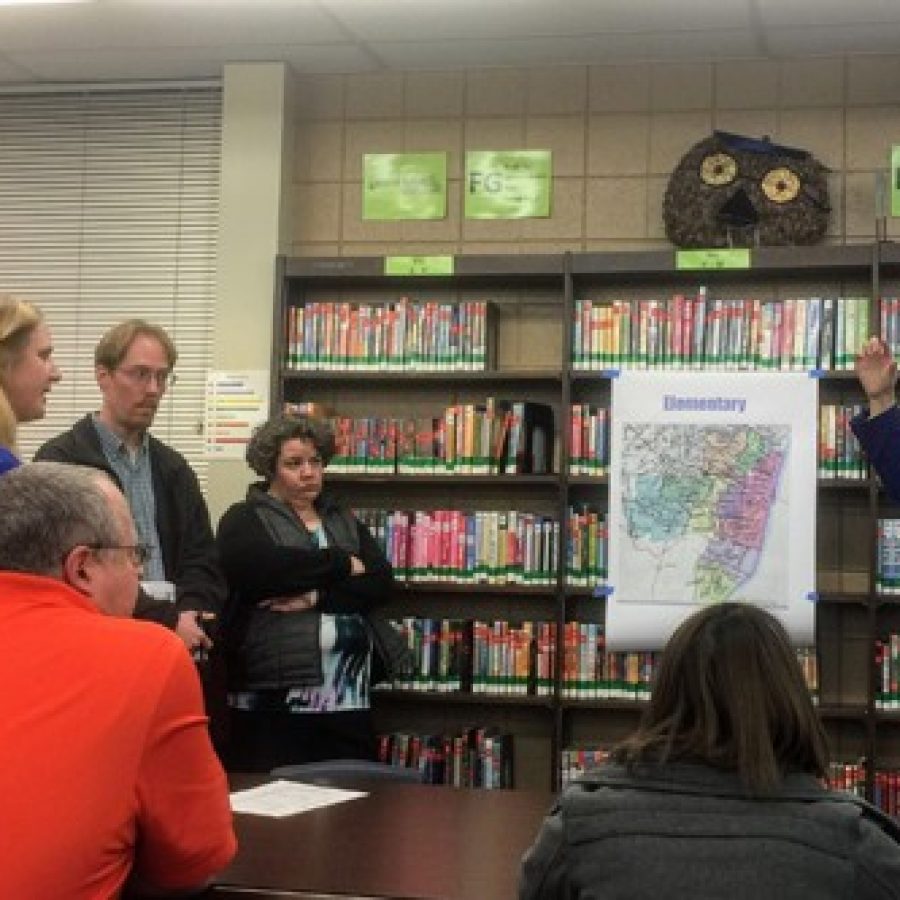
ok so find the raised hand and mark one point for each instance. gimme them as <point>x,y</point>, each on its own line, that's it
<point>877,373</point>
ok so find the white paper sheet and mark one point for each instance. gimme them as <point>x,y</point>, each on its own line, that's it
<point>712,498</point>
<point>287,798</point>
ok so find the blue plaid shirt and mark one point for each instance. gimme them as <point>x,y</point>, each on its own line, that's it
<point>133,471</point>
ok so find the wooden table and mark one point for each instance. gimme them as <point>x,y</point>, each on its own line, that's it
<point>401,840</point>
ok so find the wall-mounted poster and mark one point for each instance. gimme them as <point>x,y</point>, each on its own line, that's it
<point>508,184</point>
<point>712,499</point>
<point>404,186</point>
<point>236,402</point>
<point>895,180</point>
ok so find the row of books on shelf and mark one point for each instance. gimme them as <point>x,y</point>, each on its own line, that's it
<point>405,335</point>
<point>887,669</point>
<point>505,658</point>
<point>473,656</point>
<point>589,439</point>
<point>491,438</point>
<point>887,556</point>
<point>590,671</point>
<point>484,546</point>
<point>704,332</point>
<point>517,437</point>
<point>839,454</point>
<point>480,757</point>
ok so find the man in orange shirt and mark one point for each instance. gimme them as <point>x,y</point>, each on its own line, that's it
<point>106,768</point>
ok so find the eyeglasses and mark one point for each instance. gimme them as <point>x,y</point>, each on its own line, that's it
<point>140,553</point>
<point>143,375</point>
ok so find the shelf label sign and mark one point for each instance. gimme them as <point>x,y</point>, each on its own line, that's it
<point>895,180</point>
<point>404,186</point>
<point>508,184</point>
<point>713,259</point>
<point>418,265</point>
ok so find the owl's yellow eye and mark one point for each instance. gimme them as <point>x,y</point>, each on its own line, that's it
<point>781,185</point>
<point>718,169</point>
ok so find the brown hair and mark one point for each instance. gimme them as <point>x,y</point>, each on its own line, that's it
<point>112,347</point>
<point>268,439</point>
<point>730,693</point>
<point>18,319</point>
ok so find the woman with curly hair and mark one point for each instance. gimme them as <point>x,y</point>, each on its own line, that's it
<point>303,574</point>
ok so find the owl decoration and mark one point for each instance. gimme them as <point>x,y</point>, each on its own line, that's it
<point>734,191</point>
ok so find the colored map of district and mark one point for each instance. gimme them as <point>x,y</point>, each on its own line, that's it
<point>698,503</point>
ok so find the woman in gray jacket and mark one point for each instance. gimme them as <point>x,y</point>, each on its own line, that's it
<point>718,794</point>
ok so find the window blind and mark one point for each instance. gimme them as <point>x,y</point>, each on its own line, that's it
<point>108,211</point>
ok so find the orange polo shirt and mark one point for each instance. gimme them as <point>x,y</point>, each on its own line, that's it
<point>105,759</point>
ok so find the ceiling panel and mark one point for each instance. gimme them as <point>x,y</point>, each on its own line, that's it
<point>390,20</point>
<point>82,27</point>
<point>11,73</point>
<point>118,39</point>
<point>820,41</point>
<point>586,50</point>
<point>813,13</point>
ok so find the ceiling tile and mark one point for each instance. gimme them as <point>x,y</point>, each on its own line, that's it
<point>389,20</point>
<point>812,13</point>
<point>585,50</point>
<point>142,25</point>
<point>823,40</point>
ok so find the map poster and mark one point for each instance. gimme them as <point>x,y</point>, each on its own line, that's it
<point>712,498</point>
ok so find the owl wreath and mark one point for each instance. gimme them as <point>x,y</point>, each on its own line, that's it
<point>734,191</point>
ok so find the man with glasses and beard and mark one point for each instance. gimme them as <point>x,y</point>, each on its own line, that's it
<point>134,364</point>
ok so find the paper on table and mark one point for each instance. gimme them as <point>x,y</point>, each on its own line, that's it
<point>286,798</point>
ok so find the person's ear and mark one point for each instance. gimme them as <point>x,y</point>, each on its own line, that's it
<point>78,569</point>
<point>101,375</point>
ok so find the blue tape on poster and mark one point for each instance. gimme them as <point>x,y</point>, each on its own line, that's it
<point>603,590</point>
<point>610,373</point>
<point>817,373</point>
<point>813,596</point>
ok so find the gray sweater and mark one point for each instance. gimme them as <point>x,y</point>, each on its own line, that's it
<point>681,831</point>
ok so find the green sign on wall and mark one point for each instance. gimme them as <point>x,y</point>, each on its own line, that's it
<point>404,186</point>
<point>508,184</point>
<point>895,180</point>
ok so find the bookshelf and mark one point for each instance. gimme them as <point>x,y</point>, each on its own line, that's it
<point>531,303</point>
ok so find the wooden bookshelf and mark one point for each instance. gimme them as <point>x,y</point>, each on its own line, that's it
<point>531,301</point>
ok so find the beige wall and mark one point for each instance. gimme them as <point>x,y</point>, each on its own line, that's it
<point>615,131</point>
<point>292,158</point>
<point>254,226</point>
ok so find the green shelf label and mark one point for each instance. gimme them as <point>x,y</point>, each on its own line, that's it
<point>418,265</point>
<point>712,259</point>
<point>895,180</point>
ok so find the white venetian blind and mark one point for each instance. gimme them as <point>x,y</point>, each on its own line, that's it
<point>108,211</point>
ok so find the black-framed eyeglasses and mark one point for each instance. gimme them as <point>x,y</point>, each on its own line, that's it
<point>140,553</point>
<point>143,375</point>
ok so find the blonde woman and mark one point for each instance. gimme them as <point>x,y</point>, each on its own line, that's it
<point>27,372</point>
